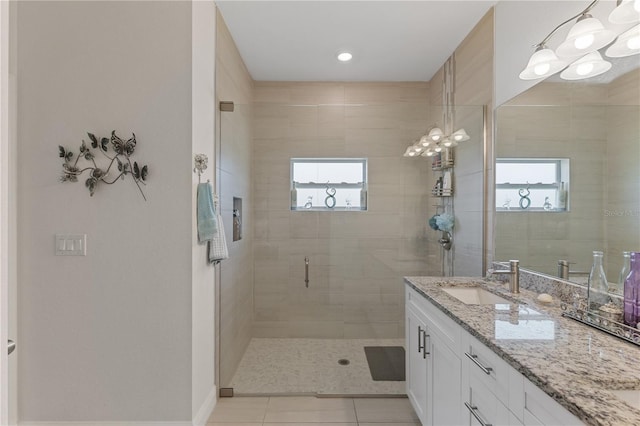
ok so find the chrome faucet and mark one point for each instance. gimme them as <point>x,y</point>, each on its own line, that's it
<point>564,272</point>
<point>514,272</point>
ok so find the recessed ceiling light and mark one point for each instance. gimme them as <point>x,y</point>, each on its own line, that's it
<point>344,56</point>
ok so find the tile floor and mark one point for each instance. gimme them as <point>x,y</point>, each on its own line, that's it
<point>313,411</point>
<point>272,366</point>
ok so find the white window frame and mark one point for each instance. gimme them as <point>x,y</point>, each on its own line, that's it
<point>362,185</point>
<point>562,176</point>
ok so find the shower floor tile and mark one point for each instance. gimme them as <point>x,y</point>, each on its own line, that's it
<point>272,366</point>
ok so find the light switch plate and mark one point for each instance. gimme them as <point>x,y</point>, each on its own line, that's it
<point>71,245</point>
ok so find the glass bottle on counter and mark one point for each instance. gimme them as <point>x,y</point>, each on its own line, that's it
<point>631,291</point>
<point>597,287</point>
<point>626,267</point>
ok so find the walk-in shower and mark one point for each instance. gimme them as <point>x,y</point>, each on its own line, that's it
<point>306,290</point>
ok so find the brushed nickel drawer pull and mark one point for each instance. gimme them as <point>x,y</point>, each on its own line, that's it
<point>474,411</point>
<point>474,358</point>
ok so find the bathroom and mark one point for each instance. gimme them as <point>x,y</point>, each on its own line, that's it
<point>131,330</point>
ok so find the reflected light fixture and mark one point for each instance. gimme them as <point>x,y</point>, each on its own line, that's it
<point>586,36</point>
<point>627,44</point>
<point>434,141</point>
<point>589,65</point>
<point>626,12</point>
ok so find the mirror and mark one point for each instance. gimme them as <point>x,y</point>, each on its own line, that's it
<point>596,126</point>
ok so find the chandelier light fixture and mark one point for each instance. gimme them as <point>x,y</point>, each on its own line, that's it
<point>434,141</point>
<point>578,54</point>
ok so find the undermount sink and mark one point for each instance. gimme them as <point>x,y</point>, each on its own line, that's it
<point>474,296</point>
<point>631,397</point>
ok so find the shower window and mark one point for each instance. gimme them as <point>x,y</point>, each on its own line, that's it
<point>532,184</point>
<point>329,184</point>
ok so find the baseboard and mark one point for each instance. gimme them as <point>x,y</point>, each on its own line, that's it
<point>199,420</point>
<point>180,423</point>
<point>206,408</point>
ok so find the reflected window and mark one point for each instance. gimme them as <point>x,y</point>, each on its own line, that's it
<point>532,184</point>
<point>329,184</point>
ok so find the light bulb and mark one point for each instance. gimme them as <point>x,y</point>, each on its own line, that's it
<point>541,69</point>
<point>344,56</point>
<point>412,154</point>
<point>584,69</point>
<point>584,41</point>
<point>435,138</point>
<point>438,148</point>
<point>634,42</point>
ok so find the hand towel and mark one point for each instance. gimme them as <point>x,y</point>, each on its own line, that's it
<point>207,220</point>
<point>217,248</point>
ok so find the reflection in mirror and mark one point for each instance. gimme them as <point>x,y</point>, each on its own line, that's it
<point>596,127</point>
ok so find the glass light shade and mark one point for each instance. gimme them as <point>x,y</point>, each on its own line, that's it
<point>428,153</point>
<point>449,143</point>
<point>425,141</point>
<point>413,151</point>
<point>588,66</point>
<point>438,148</point>
<point>460,135</point>
<point>586,35</point>
<point>627,44</point>
<point>435,134</point>
<point>542,63</point>
<point>627,12</point>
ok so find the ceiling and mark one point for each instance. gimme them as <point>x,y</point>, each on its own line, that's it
<point>390,40</point>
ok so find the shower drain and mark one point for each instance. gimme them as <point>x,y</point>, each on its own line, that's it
<point>343,361</point>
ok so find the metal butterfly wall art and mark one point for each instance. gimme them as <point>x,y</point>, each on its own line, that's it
<point>122,149</point>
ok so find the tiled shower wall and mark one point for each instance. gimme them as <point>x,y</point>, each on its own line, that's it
<point>357,259</point>
<point>235,278</point>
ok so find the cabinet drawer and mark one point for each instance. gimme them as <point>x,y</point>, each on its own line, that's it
<point>541,409</point>
<point>488,368</point>
<point>483,407</point>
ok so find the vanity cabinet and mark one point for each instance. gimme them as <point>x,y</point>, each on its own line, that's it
<point>433,366</point>
<point>454,379</point>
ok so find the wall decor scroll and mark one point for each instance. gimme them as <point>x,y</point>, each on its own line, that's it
<point>115,150</point>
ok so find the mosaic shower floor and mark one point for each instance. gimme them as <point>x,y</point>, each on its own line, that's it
<point>310,366</point>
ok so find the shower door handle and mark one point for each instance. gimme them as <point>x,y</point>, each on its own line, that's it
<point>11,346</point>
<point>306,272</point>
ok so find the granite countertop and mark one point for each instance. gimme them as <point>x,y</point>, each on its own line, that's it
<point>574,364</point>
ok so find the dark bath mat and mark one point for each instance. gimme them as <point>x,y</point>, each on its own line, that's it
<point>386,363</point>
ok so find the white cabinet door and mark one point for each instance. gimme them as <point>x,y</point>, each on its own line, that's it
<point>445,370</point>
<point>416,362</point>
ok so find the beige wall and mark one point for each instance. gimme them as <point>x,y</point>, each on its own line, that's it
<point>233,83</point>
<point>472,88</point>
<point>357,259</point>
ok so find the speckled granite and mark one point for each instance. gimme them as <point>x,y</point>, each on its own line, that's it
<point>574,364</point>
<point>557,287</point>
